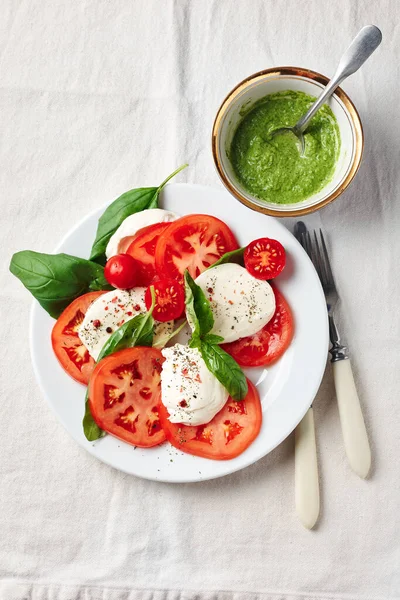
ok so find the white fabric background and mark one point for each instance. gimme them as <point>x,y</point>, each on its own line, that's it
<point>96,97</point>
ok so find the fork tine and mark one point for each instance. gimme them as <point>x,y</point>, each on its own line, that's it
<point>310,249</point>
<point>329,273</point>
<point>314,253</point>
<point>303,242</point>
<point>319,260</point>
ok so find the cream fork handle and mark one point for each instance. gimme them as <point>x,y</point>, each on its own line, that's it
<point>351,418</point>
<point>306,471</point>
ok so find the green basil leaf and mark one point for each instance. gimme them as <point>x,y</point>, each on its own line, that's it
<point>225,369</point>
<point>211,338</point>
<point>128,204</point>
<point>229,257</point>
<point>131,202</point>
<point>90,428</point>
<point>55,280</point>
<point>199,313</point>
<point>191,313</point>
<point>135,332</point>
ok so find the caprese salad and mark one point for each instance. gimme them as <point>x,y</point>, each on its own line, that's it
<point>159,322</point>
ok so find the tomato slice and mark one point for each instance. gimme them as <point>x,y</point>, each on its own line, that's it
<point>227,435</point>
<point>68,348</point>
<point>265,258</point>
<point>267,345</point>
<point>124,394</point>
<point>193,242</point>
<point>142,248</point>
<point>170,300</point>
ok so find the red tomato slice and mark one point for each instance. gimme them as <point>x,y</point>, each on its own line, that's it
<point>71,353</point>
<point>170,300</point>
<point>193,242</point>
<point>267,345</point>
<point>124,394</point>
<point>143,248</point>
<point>227,435</point>
<point>127,241</point>
<point>264,258</point>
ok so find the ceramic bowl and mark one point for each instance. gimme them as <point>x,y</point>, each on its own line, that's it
<point>275,80</point>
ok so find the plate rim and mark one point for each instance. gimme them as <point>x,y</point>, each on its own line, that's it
<point>36,308</point>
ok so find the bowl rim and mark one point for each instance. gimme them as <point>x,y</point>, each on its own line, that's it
<point>305,74</point>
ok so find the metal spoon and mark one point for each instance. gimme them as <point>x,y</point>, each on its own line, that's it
<point>361,48</point>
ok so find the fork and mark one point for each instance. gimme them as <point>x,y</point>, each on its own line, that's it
<point>351,418</point>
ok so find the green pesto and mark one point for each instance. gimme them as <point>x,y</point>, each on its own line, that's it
<point>271,168</point>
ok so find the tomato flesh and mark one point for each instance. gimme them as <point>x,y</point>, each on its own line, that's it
<point>268,344</point>
<point>226,436</point>
<point>68,348</point>
<point>170,300</point>
<point>193,242</point>
<point>143,248</point>
<point>265,258</point>
<point>124,396</point>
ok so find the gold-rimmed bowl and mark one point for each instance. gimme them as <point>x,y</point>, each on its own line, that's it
<point>259,85</point>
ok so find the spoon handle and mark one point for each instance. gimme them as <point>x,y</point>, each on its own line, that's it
<point>361,48</point>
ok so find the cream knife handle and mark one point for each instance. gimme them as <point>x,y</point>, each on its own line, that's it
<point>306,471</point>
<point>351,418</point>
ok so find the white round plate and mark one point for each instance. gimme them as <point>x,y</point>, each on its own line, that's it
<point>286,389</point>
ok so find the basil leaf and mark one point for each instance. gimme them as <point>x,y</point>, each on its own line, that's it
<point>191,315</point>
<point>90,428</point>
<point>128,204</point>
<point>135,332</point>
<point>228,256</point>
<point>225,369</point>
<point>131,202</point>
<point>57,279</point>
<point>211,338</point>
<point>199,313</point>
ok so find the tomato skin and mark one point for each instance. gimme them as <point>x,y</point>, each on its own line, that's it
<point>268,345</point>
<point>193,242</point>
<point>69,350</point>
<point>226,436</point>
<point>170,300</point>
<point>124,394</point>
<point>265,258</point>
<point>121,271</point>
<point>142,248</point>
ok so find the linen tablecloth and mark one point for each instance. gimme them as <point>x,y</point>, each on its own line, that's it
<point>100,96</point>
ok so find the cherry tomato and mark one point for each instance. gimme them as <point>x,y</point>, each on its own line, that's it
<point>124,394</point>
<point>121,271</point>
<point>193,242</point>
<point>227,435</point>
<point>268,344</point>
<point>170,300</point>
<point>68,348</point>
<point>264,258</point>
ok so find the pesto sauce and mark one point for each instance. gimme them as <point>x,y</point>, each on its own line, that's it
<point>271,168</point>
